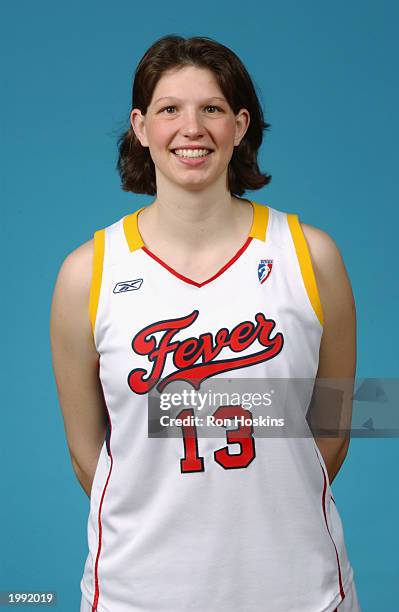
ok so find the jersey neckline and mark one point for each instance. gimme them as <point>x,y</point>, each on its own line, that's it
<point>258,230</point>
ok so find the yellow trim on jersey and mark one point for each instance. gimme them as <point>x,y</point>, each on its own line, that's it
<point>98,259</point>
<point>132,234</point>
<point>260,221</point>
<point>305,263</point>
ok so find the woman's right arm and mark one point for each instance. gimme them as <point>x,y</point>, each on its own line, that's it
<point>75,363</point>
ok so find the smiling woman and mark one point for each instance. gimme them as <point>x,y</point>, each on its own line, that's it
<point>220,78</point>
<point>202,284</point>
<point>224,128</point>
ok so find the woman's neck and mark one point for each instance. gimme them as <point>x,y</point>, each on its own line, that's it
<point>195,224</point>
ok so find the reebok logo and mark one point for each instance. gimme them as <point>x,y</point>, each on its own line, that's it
<point>129,285</point>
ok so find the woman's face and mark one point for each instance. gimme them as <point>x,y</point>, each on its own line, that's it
<point>189,109</point>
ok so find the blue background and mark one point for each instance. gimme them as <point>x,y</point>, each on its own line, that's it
<point>327,79</point>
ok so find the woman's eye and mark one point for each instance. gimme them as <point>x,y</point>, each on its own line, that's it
<point>168,107</point>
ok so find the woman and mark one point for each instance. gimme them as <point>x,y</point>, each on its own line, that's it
<point>199,285</point>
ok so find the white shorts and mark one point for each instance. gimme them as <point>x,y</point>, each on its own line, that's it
<point>350,603</point>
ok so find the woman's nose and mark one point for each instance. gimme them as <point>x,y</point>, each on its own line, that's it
<point>192,124</point>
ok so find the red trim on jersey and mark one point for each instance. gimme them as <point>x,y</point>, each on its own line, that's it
<point>97,588</point>
<point>341,588</point>
<point>189,280</point>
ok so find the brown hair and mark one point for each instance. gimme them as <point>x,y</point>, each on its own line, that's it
<point>135,165</point>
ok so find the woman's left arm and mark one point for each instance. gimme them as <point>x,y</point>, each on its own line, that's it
<point>337,357</point>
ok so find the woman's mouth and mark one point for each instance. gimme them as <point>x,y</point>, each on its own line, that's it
<point>192,157</point>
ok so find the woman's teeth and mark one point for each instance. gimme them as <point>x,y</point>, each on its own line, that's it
<point>191,152</point>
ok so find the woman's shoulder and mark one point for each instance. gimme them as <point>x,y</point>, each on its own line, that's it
<point>71,294</point>
<point>75,270</point>
<point>70,326</point>
<point>323,249</point>
<point>77,265</point>
<point>330,272</point>
<point>321,244</point>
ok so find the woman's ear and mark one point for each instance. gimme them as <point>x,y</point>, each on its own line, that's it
<point>242,122</point>
<point>137,121</point>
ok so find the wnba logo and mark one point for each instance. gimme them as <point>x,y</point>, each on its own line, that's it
<point>264,269</point>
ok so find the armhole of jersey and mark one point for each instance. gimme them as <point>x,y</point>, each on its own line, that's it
<point>97,272</point>
<point>305,263</point>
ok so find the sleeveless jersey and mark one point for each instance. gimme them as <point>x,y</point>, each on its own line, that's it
<point>233,523</point>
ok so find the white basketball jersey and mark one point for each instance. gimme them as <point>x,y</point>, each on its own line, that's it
<point>231,523</point>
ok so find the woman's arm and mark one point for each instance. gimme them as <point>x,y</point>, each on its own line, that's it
<point>337,359</point>
<point>75,364</point>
